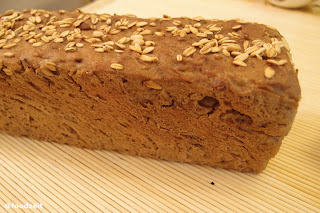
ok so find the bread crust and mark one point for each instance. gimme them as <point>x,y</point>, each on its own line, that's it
<point>205,109</point>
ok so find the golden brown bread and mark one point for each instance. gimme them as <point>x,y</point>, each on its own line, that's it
<point>211,92</point>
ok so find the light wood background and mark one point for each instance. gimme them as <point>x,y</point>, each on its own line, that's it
<point>67,179</point>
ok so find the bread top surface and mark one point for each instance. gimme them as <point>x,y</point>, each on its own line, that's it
<point>208,53</point>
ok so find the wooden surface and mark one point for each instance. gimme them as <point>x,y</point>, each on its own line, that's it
<point>67,179</point>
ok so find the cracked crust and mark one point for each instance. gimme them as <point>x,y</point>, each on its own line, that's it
<point>203,109</point>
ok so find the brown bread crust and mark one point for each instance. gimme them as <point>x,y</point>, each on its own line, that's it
<point>206,108</point>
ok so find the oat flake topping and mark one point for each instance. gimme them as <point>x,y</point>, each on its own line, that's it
<point>43,27</point>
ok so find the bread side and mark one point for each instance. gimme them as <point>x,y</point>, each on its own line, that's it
<point>175,89</point>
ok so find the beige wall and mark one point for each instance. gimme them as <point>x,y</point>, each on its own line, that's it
<point>41,4</point>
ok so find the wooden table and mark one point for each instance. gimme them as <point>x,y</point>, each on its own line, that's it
<point>67,179</point>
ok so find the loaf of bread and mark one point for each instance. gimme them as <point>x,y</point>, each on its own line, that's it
<point>209,92</point>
